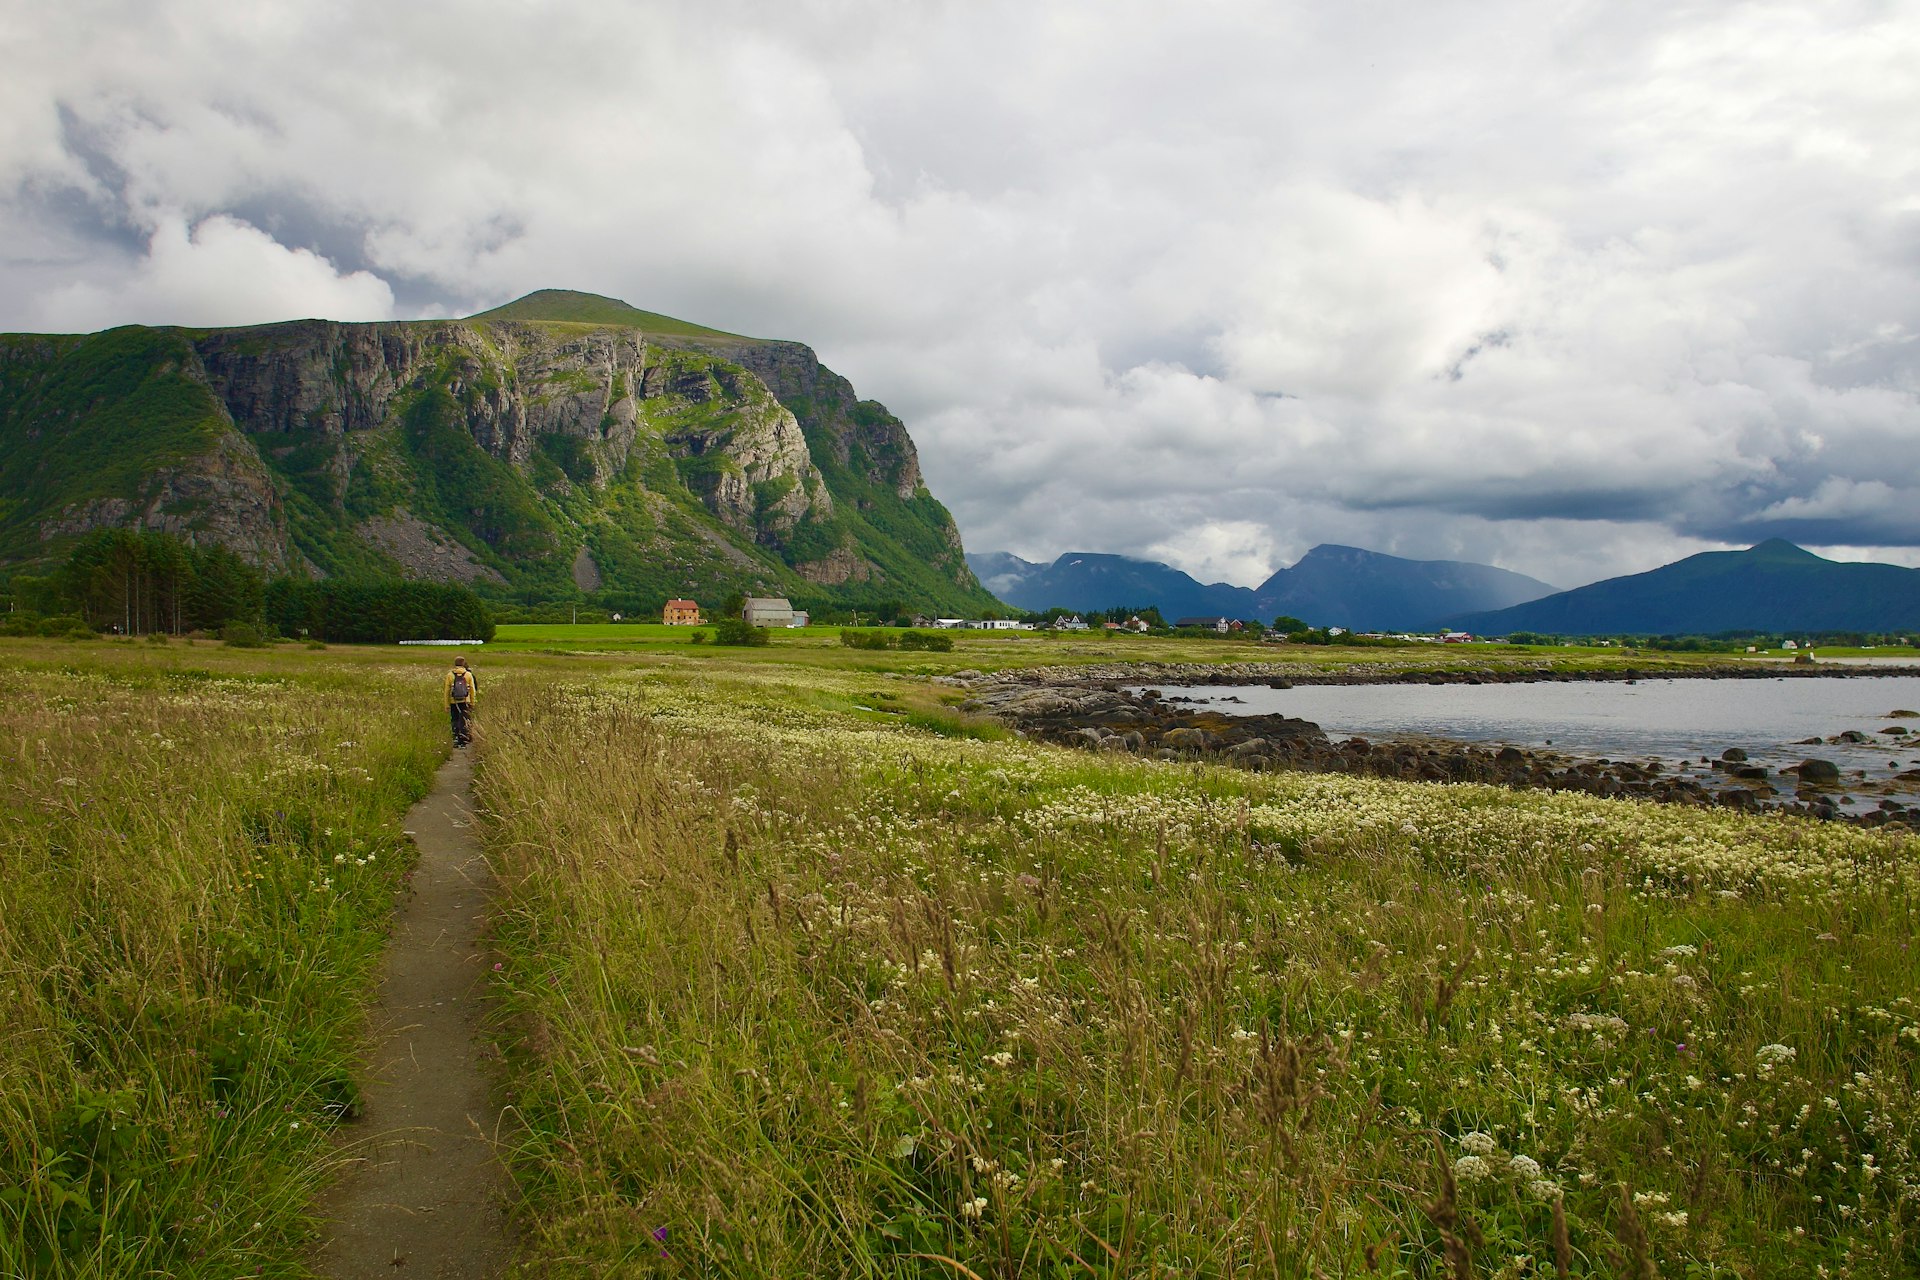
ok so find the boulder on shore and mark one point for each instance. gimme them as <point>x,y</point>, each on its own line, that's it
<point>1820,773</point>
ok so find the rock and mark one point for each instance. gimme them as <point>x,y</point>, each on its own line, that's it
<point>1093,737</point>
<point>1819,773</point>
<point>1895,730</point>
<point>1903,715</point>
<point>1186,739</point>
<point>1733,755</point>
<point>1749,771</point>
<point>1853,736</point>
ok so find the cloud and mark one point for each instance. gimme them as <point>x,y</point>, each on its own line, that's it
<point>219,272</point>
<point>1578,290</point>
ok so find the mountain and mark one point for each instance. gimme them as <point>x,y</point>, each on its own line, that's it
<point>1091,580</point>
<point>1772,587</point>
<point>1365,590</point>
<point>564,441</point>
<point>1330,586</point>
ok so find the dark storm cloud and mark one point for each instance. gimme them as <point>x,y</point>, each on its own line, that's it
<point>1576,289</point>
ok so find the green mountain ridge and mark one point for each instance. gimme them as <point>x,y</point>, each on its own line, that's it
<point>561,446</point>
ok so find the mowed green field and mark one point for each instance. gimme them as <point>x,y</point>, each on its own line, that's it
<point>805,971</point>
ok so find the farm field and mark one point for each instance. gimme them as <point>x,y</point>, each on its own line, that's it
<point>804,972</point>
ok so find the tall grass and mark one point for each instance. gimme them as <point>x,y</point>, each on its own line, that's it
<point>196,868</point>
<point>791,995</point>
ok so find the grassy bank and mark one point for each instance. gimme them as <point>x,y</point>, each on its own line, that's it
<point>797,989</point>
<point>199,849</point>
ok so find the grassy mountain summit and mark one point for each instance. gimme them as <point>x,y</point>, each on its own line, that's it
<point>562,444</point>
<point>569,306</point>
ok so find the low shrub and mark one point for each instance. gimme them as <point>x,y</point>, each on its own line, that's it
<point>242,635</point>
<point>738,631</point>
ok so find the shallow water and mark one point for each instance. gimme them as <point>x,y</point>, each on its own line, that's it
<point>1667,720</point>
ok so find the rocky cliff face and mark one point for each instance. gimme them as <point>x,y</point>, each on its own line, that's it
<point>858,433</point>
<point>319,384</point>
<point>223,496</point>
<point>510,450</point>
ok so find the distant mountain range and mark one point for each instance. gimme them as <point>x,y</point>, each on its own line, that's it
<point>1330,586</point>
<point>1772,587</point>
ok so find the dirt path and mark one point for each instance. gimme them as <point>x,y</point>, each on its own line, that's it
<point>426,1196</point>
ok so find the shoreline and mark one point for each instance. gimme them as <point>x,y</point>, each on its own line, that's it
<point>1283,675</point>
<point>1121,710</point>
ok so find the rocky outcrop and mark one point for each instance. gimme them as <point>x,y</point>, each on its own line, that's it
<point>860,434</point>
<point>844,564</point>
<point>754,470</point>
<point>225,497</point>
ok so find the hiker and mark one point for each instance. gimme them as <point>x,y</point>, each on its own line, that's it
<point>461,689</point>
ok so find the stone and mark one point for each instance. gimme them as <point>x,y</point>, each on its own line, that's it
<point>1733,755</point>
<point>1186,739</point>
<point>1819,773</point>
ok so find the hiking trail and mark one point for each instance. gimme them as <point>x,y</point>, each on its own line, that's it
<point>424,1194</point>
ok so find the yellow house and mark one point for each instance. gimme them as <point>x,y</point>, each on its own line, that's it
<point>681,613</point>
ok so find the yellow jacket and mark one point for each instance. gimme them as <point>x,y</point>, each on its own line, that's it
<point>473,689</point>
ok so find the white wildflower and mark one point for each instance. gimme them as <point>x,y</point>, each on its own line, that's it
<point>1478,1144</point>
<point>1472,1169</point>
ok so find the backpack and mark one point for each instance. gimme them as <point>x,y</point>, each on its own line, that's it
<point>462,686</point>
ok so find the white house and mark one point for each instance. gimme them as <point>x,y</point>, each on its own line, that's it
<point>768,611</point>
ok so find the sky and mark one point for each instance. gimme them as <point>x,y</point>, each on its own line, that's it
<point>1572,288</point>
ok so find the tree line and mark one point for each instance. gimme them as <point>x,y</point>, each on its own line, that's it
<point>137,582</point>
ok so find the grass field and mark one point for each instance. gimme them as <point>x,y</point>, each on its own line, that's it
<point>1001,650</point>
<point>803,972</point>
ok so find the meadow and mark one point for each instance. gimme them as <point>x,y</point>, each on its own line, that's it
<point>198,853</point>
<point>802,971</point>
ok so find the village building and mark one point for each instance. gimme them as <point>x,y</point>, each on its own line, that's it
<point>768,611</point>
<point>1205,624</point>
<point>680,613</point>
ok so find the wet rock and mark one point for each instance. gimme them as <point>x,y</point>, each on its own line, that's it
<point>1748,771</point>
<point>1819,773</point>
<point>1851,736</point>
<point>1733,755</point>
